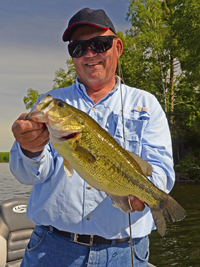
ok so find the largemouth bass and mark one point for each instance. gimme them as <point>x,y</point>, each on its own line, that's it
<point>97,157</point>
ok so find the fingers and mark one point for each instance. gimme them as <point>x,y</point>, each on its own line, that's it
<point>136,203</point>
<point>30,135</point>
<point>35,140</point>
<point>21,125</point>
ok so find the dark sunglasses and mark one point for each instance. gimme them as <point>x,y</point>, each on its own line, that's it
<point>99,44</point>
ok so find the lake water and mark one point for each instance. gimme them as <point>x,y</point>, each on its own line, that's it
<point>181,244</point>
<point>179,247</point>
<point>9,186</point>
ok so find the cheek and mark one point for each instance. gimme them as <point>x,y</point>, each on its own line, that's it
<point>112,61</point>
<point>77,64</point>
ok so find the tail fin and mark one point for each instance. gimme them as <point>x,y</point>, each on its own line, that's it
<point>171,210</point>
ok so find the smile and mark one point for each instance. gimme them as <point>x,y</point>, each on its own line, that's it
<point>93,64</point>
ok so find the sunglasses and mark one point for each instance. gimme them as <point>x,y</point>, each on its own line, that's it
<point>99,44</point>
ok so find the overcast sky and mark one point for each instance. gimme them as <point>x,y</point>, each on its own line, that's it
<point>31,49</point>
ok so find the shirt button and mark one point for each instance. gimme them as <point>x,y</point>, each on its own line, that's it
<point>88,218</point>
<point>93,108</point>
<point>89,187</point>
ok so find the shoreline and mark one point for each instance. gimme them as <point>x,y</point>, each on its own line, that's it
<point>4,157</point>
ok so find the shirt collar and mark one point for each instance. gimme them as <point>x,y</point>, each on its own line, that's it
<point>81,87</point>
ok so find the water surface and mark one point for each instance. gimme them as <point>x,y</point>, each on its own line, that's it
<point>9,186</point>
<point>181,244</point>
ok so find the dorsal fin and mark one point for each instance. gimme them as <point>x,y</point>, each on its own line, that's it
<point>144,165</point>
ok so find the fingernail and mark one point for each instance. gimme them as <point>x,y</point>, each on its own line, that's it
<point>34,119</point>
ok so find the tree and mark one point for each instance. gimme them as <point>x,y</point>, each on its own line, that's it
<point>30,99</point>
<point>187,21</point>
<point>154,49</point>
<point>162,55</point>
<point>65,79</point>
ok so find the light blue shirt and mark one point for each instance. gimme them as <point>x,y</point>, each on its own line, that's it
<point>70,204</point>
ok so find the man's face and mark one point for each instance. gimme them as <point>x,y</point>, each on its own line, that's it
<point>96,70</point>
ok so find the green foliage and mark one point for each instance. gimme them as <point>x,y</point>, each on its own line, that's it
<point>162,55</point>
<point>188,25</point>
<point>65,79</point>
<point>152,47</point>
<point>188,168</point>
<point>4,156</point>
<point>30,99</point>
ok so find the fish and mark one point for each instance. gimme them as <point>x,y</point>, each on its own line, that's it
<point>102,162</point>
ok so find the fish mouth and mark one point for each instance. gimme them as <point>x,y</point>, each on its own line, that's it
<point>64,138</point>
<point>70,136</point>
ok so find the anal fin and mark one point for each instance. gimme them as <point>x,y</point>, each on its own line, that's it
<point>122,203</point>
<point>159,220</point>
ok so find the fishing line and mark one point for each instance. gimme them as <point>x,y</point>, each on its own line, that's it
<point>123,122</point>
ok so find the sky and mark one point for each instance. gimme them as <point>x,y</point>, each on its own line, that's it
<point>31,49</point>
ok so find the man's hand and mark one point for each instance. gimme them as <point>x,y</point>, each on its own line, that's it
<point>31,136</point>
<point>136,203</point>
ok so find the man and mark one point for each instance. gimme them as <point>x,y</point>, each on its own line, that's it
<point>61,207</point>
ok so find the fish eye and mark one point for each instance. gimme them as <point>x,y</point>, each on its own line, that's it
<point>60,104</point>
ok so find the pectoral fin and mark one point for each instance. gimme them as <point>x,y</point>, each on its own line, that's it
<point>84,154</point>
<point>121,203</point>
<point>144,165</point>
<point>68,168</point>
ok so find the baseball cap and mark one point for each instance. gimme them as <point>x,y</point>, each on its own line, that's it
<point>87,16</point>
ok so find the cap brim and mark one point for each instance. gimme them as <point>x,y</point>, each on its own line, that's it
<point>68,32</point>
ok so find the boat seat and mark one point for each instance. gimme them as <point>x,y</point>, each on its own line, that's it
<point>15,231</point>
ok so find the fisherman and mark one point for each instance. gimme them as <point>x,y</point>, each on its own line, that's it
<point>77,225</point>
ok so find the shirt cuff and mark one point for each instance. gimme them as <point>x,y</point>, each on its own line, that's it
<point>36,160</point>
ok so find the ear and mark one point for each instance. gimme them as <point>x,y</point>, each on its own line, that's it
<point>119,47</point>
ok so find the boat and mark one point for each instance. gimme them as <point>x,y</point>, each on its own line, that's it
<point>15,232</point>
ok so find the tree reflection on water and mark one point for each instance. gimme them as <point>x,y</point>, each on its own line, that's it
<point>181,244</point>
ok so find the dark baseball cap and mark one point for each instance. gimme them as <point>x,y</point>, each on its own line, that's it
<point>87,16</point>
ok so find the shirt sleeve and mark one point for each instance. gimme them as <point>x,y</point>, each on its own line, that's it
<point>31,171</point>
<point>157,148</point>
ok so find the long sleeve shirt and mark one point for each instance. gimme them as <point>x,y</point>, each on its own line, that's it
<point>71,204</point>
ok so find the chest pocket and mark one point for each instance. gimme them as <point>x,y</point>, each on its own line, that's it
<point>134,126</point>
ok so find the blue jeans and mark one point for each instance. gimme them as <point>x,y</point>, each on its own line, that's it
<point>50,249</point>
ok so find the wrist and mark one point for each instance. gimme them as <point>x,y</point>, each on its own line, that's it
<point>30,154</point>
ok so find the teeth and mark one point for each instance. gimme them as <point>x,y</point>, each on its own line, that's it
<point>92,64</point>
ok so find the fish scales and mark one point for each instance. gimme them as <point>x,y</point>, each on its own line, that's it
<point>120,168</point>
<point>96,156</point>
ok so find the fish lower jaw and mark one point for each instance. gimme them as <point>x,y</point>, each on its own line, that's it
<point>65,138</point>
<point>70,136</point>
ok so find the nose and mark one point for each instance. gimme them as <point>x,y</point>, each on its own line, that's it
<point>90,52</point>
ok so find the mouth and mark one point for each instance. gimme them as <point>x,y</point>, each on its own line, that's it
<point>70,136</point>
<point>93,64</point>
<point>61,138</point>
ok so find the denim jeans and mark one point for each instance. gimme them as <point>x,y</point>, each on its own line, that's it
<point>50,249</point>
